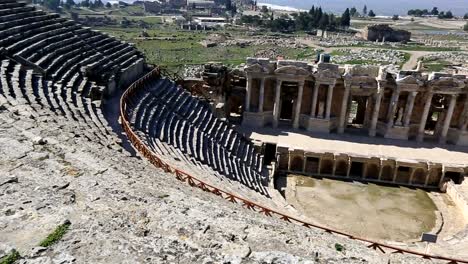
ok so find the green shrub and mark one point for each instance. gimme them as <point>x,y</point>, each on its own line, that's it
<point>339,247</point>
<point>10,258</point>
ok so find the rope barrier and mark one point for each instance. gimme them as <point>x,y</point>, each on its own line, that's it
<point>184,177</point>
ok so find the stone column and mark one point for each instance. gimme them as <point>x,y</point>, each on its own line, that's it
<point>448,119</point>
<point>313,111</point>
<point>297,114</point>
<point>463,123</point>
<point>375,115</point>
<point>262,95</point>
<point>247,96</point>
<point>409,108</point>
<point>367,114</point>
<point>329,101</point>
<point>422,125</point>
<point>392,108</point>
<point>276,111</point>
<point>344,109</point>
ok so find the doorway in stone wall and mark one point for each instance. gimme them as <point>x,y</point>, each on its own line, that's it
<point>435,117</point>
<point>357,114</point>
<point>286,109</point>
<point>288,101</point>
<point>270,153</point>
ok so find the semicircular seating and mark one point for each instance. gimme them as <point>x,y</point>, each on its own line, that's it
<point>180,127</point>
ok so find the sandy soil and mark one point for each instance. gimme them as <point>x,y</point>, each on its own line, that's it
<point>367,210</point>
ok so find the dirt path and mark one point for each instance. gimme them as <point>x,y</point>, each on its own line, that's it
<point>415,57</point>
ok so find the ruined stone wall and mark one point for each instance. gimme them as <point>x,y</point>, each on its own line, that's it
<point>385,32</point>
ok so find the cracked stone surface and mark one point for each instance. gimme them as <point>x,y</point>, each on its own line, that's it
<point>123,210</point>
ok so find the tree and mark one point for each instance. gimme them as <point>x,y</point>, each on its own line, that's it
<point>371,13</point>
<point>312,10</point>
<point>449,14</point>
<point>345,20</point>
<point>108,5</point>
<point>364,11</point>
<point>443,15</point>
<point>465,27</point>
<point>264,9</point>
<point>435,11</point>
<point>323,23</point>
<point>353,11</point>
<point>98,4</point>
<point>332,22</point>
<point>395,17</point>
<point>465,16</point>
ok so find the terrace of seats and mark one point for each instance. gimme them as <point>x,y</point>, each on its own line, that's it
<point>22,88</point>
<point>181,128</point>
<point>60,47</point>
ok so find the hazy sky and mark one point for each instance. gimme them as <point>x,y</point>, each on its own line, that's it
<point>383,7</point>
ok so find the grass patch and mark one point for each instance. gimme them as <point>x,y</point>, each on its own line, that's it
<point>436,66</point>
<point>364,62</point>
<point>10,258</point>
<point>339,247</point>
<point>56,235</point>
<point>404,48</point>
<point>171,47</point>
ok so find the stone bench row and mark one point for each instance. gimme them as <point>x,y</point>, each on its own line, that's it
<point>33,29</point>
<point>201,115</point>
<point>164,124</point>
<point>21,25</point>
<point>218,131</point>
<point>169,127</point>
<point>21,86</point>
<point>56,44</point>
<point>155,116</point>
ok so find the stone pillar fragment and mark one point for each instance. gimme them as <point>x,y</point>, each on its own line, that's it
<point>393,107</point>
<point>409,108</point>
<point>313,111</point>
<point>276,111</point>
<point>247,96</point>
<point>329,101</point>
<point>344,109</point>
<point>297,113</point>
<point>262,95</point>
<point>448,119</point>
<point>375,115</point>
<point>422,124</point>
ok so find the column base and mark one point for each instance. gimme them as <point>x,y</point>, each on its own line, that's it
<point>319,125</point>
<point>458,137</point>
<point>395,132</point>
<point>420,138</point>
<point>257,119</point>
<point>443,140</point>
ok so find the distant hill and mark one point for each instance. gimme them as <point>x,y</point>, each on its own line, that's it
<point>458,7</point>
